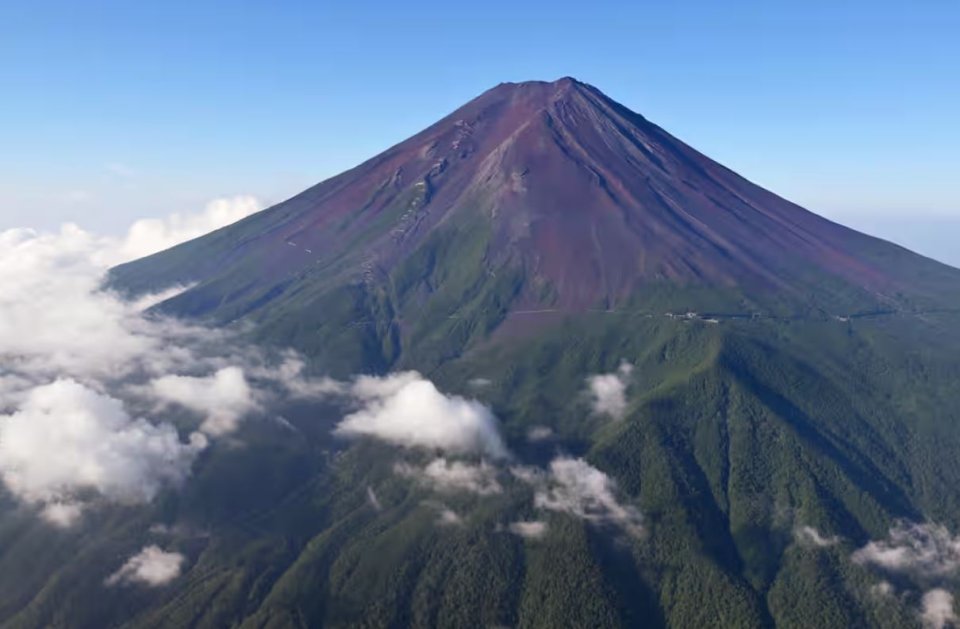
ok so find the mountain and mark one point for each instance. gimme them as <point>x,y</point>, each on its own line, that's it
<point>533,196</point>
<point>790,395</point>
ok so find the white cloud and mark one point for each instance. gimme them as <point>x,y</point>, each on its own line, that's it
<point>224,397</point>
<point>448,517</point>
<point>923,551</point>
<point>539,433</point>
<point>937,610</point>
<point>76,356</point>
<point>151,235</point>
<point>454,476</point>
<point>152,567</point>
<point>62,514</point>
<point>531,529</point>
<point>67,438</point>
<point>145,302</point>
<point>289,374</point>
<point>373,500</point>
<point>925,557</point>
<point>407,410</point>
<point>809,536</point>
<point>54,320</point>
<point>882,589</point>
<point>608,391</point>
<point>574,486</point>
<point>445,515</point>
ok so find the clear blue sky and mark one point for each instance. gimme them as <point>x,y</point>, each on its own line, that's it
<point>115,110</point>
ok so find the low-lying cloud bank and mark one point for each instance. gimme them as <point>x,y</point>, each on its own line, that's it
<point>77,358</point>
<point>152,567</point>
<point>67,438</point>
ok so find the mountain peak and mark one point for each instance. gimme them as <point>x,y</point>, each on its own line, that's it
<point>587,204</point>
<point>564,82</point>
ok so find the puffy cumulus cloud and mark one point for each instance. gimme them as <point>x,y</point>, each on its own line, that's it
<point>608,391</point>
<point>809,536</point>
<point>574,486</point>
<point>923,551</point>
<point>528,529</point>
<point>151,235</point>
<point>152,567</point>
<point>937,609</point>
<point>223,397</point>
<point>454,476</point>
<point>67,439</point>
<point>408,410</point>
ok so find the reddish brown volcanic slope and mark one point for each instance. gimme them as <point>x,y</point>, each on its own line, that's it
<point>595,194</point>
<point>587,196</point>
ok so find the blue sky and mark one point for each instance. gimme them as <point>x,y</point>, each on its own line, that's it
<point>116,110</point>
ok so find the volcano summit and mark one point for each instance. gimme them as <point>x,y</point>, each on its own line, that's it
<point>536,196</point>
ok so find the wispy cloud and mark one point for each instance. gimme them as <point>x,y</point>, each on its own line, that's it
<point>528,529</point>
<point>446,516</point>
<point>152,567</point>
<point>373,499</point>
<point>809,536</point>
<point>454,476</point>
<point>539,433</point>
<point>575,487</point>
